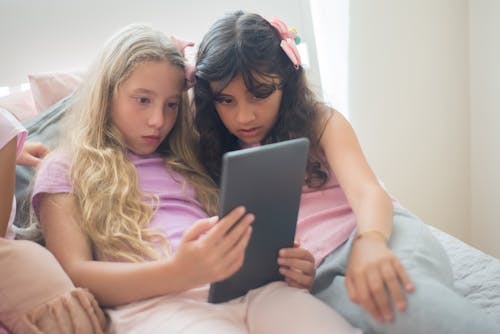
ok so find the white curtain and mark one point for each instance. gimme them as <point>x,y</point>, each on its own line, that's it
<point>331,30</point>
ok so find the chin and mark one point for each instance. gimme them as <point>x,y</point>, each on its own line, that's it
<point>250,142</point>
<point>143,151</point>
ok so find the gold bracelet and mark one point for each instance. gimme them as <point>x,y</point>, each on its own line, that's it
<point>375,233</point>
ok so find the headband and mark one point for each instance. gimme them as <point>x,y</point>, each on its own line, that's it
<point>189,69</point>
<point>288,39</point>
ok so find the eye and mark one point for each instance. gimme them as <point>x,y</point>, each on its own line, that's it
<point>173,105</point>
<point>223,100</point>
<point>262,91</point>
<point>143,100</point>
<point>257,98</point>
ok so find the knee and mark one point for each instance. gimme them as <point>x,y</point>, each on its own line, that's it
<point>34,272</point>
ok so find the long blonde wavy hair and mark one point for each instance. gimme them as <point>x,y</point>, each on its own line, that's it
<point>112,210</point>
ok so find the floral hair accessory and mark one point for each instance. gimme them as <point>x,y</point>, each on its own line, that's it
<point>289,40</point>
<point>295,33</point>
<point>189,69</point>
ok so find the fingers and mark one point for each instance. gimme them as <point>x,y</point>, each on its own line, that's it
<point>298,267</point>
<point>394,279</point>
<point>226,223</point>
<point>364,296</point>
<point>39,150</point>
<point>32,154</point>
<point>380,287</point>
<point>403,275</point>
<point>294,284</point>
<point>198,228</point>
<point>28,160</point>
<point>297,258</point>
<point>297,278</point>
<point>227,240</point>
<point>379,297</point>
<point>351,290</point>
<point>235,257</point>
<point>393,284</point>
<point>234,236</point>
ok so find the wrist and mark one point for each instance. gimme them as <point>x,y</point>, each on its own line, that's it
<point>374,234</point>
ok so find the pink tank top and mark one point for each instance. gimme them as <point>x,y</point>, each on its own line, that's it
<point>325,220</point>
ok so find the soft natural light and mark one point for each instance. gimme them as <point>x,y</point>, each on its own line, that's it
<point>331,31</point>
<point>24,87</point>
<point>4,91</point>
<point>304,54</point>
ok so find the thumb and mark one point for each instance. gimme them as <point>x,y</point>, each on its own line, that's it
<point>296,243</point>
<point>199,227</point>
<point>40,150</point>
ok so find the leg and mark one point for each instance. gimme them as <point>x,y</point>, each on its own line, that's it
<point>434,307</point>
<point>178,314</point>
<point>38,297</point>
<point>278,308</point>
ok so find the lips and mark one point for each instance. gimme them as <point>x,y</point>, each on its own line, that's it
<point>152,139</point>
<point>251,132</point>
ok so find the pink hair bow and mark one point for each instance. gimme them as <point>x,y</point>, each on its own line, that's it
<point>189,69</point>
<point>287,41</point>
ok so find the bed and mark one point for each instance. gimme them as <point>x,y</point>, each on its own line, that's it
<point>477,275</point>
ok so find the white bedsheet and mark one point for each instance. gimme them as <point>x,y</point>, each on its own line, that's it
<point>477,274</point>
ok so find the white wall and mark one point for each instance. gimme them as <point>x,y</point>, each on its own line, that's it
<point>51,35</point>
<point>484,30</point>
<point>409,103</point>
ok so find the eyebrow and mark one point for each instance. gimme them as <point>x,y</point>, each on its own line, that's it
<point>143,90</point>
<point>220,94</point>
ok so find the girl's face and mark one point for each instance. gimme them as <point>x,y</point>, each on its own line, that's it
<point>246,116</point>
<point>145,107</point>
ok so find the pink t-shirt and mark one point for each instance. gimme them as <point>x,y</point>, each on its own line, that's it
<point>177,209</point>
<point>10,128</point>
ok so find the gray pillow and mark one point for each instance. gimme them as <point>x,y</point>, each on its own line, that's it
<point>42,128</point>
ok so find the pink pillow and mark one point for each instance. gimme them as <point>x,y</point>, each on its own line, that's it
<point>48,88</point>
<point>20,104</point>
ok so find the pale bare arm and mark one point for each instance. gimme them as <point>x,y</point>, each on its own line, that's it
<point>199,260</point>
<point>369,201</point>
<point>374,275</point>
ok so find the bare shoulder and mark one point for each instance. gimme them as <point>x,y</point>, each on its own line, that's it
<point>325,114</point>
<point>331,120</point>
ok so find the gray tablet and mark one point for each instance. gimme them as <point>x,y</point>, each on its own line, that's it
<point>267,180</point>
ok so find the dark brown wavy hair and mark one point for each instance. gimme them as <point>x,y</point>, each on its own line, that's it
<point>246,44</point>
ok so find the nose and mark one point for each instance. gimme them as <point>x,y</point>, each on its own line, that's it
<point>245,113</point>
<point>156,118</point>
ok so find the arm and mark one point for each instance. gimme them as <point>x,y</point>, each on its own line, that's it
<point>32,154</point>
<point>200,259</point>
<point>369,201</point>
<point>372,266</point>
<point>7,181</point>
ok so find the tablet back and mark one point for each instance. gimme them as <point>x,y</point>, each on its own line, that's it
<point>267,180</point>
